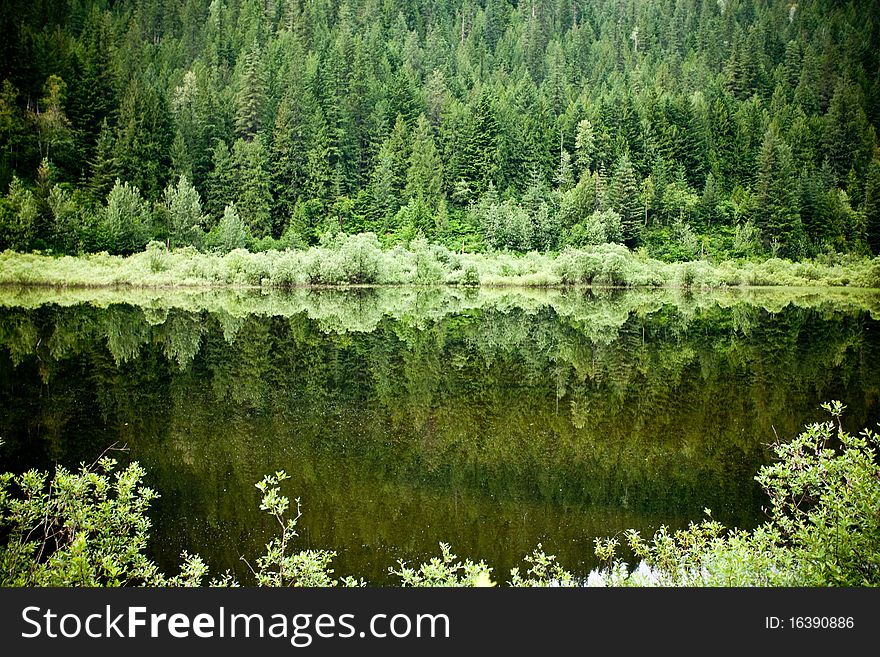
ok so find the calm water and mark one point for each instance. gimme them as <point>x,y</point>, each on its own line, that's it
<point>491,420</point>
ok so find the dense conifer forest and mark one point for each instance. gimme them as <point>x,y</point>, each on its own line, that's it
<point>689,129</point>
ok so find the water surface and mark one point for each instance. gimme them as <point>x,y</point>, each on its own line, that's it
<point>493,420</point>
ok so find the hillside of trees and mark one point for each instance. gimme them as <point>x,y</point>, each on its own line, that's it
<point>691,129</point>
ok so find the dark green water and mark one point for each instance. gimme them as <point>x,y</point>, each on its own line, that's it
<point>490,420</point>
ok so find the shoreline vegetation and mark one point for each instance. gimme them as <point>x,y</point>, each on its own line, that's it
<point>360,260</point>
<point>822,530</point>
<point>362,308</point>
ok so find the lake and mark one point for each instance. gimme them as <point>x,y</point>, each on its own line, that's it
<point>490,419</point>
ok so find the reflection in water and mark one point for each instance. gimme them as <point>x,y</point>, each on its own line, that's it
<point>492,420</point>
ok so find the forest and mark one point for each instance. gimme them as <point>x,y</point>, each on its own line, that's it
<point>685,130</point>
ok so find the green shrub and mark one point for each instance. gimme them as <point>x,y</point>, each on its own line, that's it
<point>824,526</point>
<point>76,529</point>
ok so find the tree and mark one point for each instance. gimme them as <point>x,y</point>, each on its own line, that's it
<point>65,227</point>
<point>585,141</point>
<point>564,173</point>
<point>229,234</point>
<point>318,170</point>
<point>424,175</point>
<point>710,201</point>
<point>53,126</point>
<point>845,130</point>
<point>289,153</point>
<point>103,167</point>
<point>250,97</point>
<point>92,99</point>
<point>144,137</point>
<point>578,203</point>
<point>222,180</point>
<point>623,197</point>
<point>777,208</point>
<point>480,156</point>
<point>126,219</point>
<point>253,198</point>
<point>183,207</point>
<point>601,227</point>
<point>872,207</point>
<point>389,176</point>
<point>21,217</point>
<point>13,130</point>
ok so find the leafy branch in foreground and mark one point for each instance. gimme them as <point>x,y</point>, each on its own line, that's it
<point>78,529</point>
<point>280,566</point>
<point>445,570</point>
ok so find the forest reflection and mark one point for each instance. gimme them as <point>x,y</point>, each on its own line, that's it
<point>493,420</point>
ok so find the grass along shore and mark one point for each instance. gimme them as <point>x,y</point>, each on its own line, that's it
<point>360,260</point>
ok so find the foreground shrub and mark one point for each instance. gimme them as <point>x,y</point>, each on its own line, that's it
<point>78,529</point>
<point>824,526</point>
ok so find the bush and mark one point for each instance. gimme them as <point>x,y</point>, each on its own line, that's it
<point>824,527</point>
<point>77,529</point>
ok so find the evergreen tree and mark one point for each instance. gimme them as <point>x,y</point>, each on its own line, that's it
<point>584,144</point>
<point>424,176</point>
<point>623,198</point>
<point>578,203</point>
<point>318,172</point>
<point>92,99</point>
<point>253,199</point>
<point>144,137</point>
<point>872,207</point>
<point>183,208</point>
<point>126,220</point>
<point>104,169</point>
<point>289,155</point>
<point>846,126</point>
<point>222,180</point>
<point>710,201</point>
<point>250,96</point>
<point>777,205</point>
<point>481,157</point>
<point>13,132</point>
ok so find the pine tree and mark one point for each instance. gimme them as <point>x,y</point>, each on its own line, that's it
<point>623,198</point>
<point>183,208</point>
<point>318,173</point>
<point>709,202</point>
<point>846,126</point>
<point>564,173</point>
<point>222,180</point>
<point>290,144</point>
<point>250,98</point>
<point>13,132</point>
<point>103,167</point>
<point>253,197</point>
<point>144,137</point>
<point>872,207</point>
<point>424,176</point>
<point>777,204</point>
<point>92,97</point>
<point>584,144</point>
<point>811,202</point>
<point>481,155</point>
